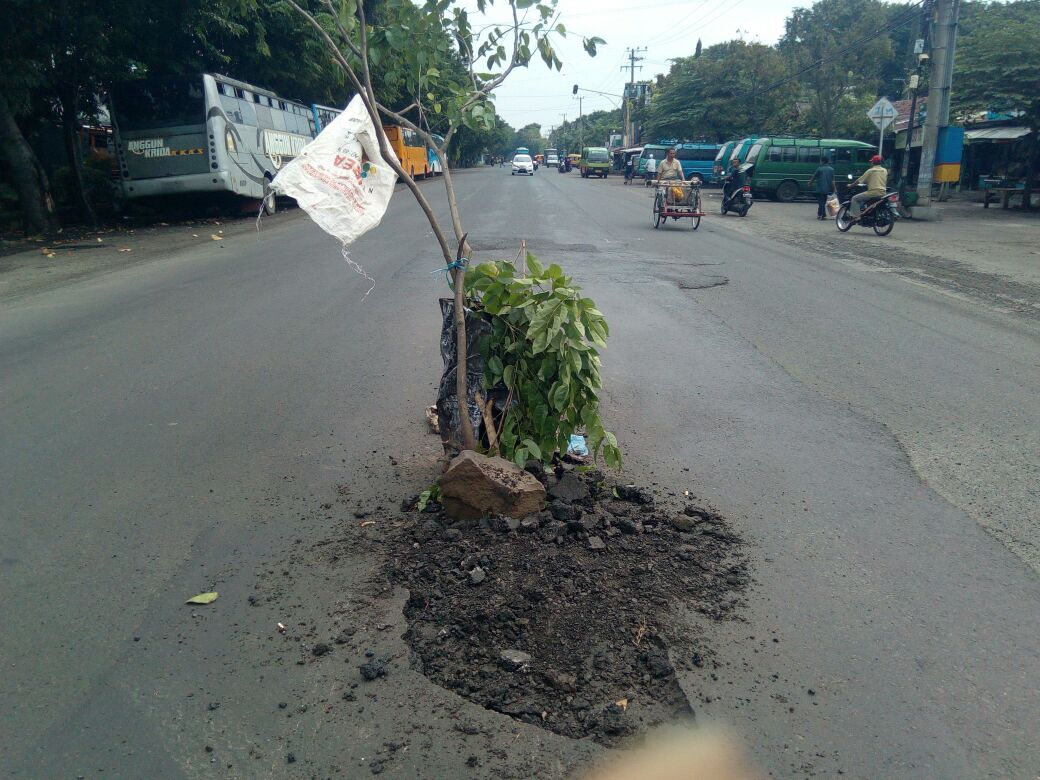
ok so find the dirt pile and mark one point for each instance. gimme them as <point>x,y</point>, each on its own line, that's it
<point>568,619</point>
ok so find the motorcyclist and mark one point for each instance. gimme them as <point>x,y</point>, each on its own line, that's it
<point>876,179</point>
<point>734,181</point>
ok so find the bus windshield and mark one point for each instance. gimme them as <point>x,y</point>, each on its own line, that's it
<point>597,155</point>
<point>151,103</point>
<point>753,154</point>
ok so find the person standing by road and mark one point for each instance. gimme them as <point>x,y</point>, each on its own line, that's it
<point>824,179</point>
<point>876,179</point>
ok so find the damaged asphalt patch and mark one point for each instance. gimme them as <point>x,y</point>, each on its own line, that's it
<point>566,620</point>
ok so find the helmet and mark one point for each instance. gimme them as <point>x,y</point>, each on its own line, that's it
<point>875,159</point>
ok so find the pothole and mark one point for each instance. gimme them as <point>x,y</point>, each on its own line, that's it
<point>568,621</point>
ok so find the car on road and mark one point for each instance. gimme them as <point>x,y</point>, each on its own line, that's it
<point>595,161</point>
<point>522,164</point>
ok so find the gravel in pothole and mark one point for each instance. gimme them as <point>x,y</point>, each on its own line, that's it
<point>569,619</point>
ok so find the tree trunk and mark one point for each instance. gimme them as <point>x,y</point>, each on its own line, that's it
<point>70,131</point>
<point>27,175</point>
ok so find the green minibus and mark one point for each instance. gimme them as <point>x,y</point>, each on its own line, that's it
<point>784,165</point>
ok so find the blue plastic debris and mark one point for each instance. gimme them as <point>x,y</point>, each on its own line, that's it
<point>577,446</point>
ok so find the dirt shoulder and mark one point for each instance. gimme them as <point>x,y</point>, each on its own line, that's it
<point>989,255</point>
<point>49,263</point>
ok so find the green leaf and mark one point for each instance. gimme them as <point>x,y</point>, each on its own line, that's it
<point>508,376</point>
<point>533,266</point>
<point>495,364</point>
<point>203,598</point>
<point>533,448</point>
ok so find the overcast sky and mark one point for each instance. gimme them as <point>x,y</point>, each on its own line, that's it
<point>667,28</point>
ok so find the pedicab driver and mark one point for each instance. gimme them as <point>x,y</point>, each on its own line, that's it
<point>669,169</point>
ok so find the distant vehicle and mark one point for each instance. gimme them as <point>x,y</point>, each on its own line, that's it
<point>522,150</point>
<point>656,152</point>
<point>204,133</point>
<point>718,169</point>
<point>573,160</point>
<point>697,160</point>
<point>522,164</point>
<point>784,165</point>
<point>595,161</point>
<point>879,213</point>
<point>436,166</point>
<point>740,152</point>
<point>410,150</point>
<point>552,157</point>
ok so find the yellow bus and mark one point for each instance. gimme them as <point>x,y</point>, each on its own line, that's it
<point>410,150</point>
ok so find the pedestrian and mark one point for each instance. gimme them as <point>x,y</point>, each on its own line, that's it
<point>824,178</point>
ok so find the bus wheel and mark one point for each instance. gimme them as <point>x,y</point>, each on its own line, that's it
<point>787,191</point>
<point>270,206</point>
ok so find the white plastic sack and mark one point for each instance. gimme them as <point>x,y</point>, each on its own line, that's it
<point>340,178</point>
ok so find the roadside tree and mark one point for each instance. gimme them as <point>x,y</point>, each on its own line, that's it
<point>422,47</point>
<point>998,68</point>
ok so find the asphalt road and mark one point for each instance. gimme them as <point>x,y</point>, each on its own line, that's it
<point>176,426</point>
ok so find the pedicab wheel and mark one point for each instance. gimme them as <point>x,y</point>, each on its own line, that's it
<point>657,211</point>
<point>883,222</point>
<point>696,222</point>
<point>842,219</point>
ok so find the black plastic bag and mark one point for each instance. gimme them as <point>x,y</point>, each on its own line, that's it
<point>447,398</point>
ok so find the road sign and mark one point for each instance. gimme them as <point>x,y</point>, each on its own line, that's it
<point>882,114</point>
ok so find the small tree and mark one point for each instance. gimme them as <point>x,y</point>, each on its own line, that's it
<point>422,45</point>
<point>998,68</point>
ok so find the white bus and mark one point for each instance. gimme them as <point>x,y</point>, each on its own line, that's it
<point>206,133</point>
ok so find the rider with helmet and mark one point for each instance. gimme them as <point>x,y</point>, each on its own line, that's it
<point>876,179</point>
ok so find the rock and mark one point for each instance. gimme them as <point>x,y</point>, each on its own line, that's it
<point>475,485</point>
<point>477,576</point>
<point>595,543</point>
<point>570,488</point>
<point>431,526</point>
<point>686,552</point>
<point>320,649</point>
<point>505,524</point>
<point>552,530</point>
<point>290,758</point>
<point>629,526</point>
<point>696,512</point>
<point>633,494</point>
<point>536,469</point>
<point>451,534</point>
<point>515,660</point>
<point>566,513</point>
<point>370,670</point>
<point>683,522</point>
<point>529,525</point>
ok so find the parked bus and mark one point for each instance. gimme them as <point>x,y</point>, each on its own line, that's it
<point>436,166</point>
<point>323,116</point>
<point>410,150</point>
<point>697,160</point>
<point>783,166</point>
<point>203,133</point>
<point>741,149</point>
<point>722,159</point>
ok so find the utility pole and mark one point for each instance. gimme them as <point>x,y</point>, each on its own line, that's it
<point>633,58</point>
<point>940,82</point>
<point>915,85</point>
<point>581,125</point>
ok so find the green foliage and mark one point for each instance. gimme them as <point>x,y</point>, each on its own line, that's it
<point>998,62</point>
<point>594,129</point>
<point>715,96</point>
<point>543,348</point>
<point>432,493</point>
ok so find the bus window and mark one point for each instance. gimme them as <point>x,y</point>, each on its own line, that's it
<point>841,155</point>
<point>863,156</point>
<point>146,104</point>
<point>773,155</point>
<point>790,154</point>
<point>809,154</point>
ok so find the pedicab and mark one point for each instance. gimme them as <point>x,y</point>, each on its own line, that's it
<point>678,200</point>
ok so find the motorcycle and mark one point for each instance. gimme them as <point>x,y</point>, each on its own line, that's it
<point>878,213</point>
<point>739,201</point>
